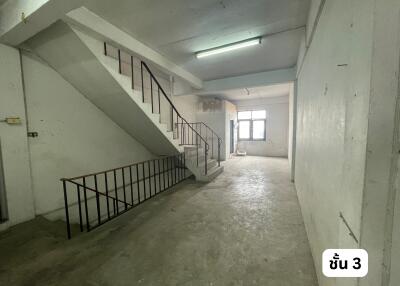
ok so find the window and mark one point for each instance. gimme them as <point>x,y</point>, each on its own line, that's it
<point>252,125</point>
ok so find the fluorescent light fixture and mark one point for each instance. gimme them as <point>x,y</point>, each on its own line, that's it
<point>229,47</point>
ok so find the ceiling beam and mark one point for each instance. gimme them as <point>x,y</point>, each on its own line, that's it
<point>94,24</point>
<point>21,19</point>
<point>249,80</point>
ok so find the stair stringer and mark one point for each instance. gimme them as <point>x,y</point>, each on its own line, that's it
<point>63,49</point>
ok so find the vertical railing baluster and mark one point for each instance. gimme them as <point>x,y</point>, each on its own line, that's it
<point>106,186</point>
<point>197,156</point>
<point>132,75</point>
<point>141,73</point>
<point>97,200</point>
<point>175,170</point>
<point>154,177</point>
<point>184,165</point>
<point>151,94</point>
<point>206,136</point>
<point>159,176</point>
<point>86,205</point>
<point>212,145</point>
<point>79,207</point>
<point>172,119</point>
<point>205,158</point>
<point>116,190</point>
<point>159,103</point>
<point>144,182</point>
<point>219,152</point>
<point>124,188</point>
<point>66,210</point>
<point>130,178</point>
<point>172,171</point>
<point>149,177</point>
<point>119,61</point>
<point>138,182</point>
<point>168,185</point>
<point>164,174</point>
<point>179,167</point>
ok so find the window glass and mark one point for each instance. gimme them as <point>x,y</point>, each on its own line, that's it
<point>258,129</point>
<point>259,114</point>
<point>244,129</point>
<point>244,115</point>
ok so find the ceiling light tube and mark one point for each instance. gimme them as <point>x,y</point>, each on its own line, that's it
<point>229,47</point>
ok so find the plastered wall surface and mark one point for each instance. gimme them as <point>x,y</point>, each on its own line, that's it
<point>13,140</point>
<point>187,106</point>
<point>75,137</point>
<point>230,114</point>
<point>292,129</point>
<point>332,111</point>
<point>216,114</point>
<point>395,249</point>
<point>277,126</point>
<point>347,91</point>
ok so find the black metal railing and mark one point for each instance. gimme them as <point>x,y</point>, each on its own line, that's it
<point>209,135</point>
<point>94,199</point>
<point>161,103</point>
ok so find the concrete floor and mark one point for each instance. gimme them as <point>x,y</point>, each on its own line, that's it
<point>244,228</point>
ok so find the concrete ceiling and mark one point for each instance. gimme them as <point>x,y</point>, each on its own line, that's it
<point>179,28</point>
<point>253,92</point>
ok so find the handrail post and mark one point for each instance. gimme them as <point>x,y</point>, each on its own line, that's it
<point>197,150</point>
<point>219,153</point>
<point>205,158</point>
<point>151,94</point>
<point>133,78</point>
<point>66,209</point>
<point>172,119</point>
<point>159,103</point>
<point>141,71</point>
<point>212,145</point>
<point>119,61</point>
<point>97,200</point>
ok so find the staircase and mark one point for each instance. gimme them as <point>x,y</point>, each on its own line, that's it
<point>126,89</point>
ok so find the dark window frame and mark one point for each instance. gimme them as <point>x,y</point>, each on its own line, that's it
<point>251,127</point>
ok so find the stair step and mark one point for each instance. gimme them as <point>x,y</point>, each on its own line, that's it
<point>212,174</point>
<point>211,163</point>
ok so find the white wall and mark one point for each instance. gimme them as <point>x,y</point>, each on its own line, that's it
<point>230,114</point>
<point>75,137</point>
<point>292,130</point>
<point>187,106</point>
<point>277,125</point>
<point>347,87</point>
<point>217,113</point>
<point>331,128</point>
<point>395,239</point>
<point>13,140</point>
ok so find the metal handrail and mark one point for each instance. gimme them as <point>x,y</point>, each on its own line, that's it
<point>178,115</point>
<point>213,133</point>
<point>134,183</point>
<point>179,118</point>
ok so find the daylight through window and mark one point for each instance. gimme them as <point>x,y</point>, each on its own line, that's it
<point>252,125</point>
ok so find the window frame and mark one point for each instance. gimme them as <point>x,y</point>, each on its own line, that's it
<point>251,120</point>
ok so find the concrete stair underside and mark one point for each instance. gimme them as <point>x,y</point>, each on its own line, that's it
<point>80,59</point>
